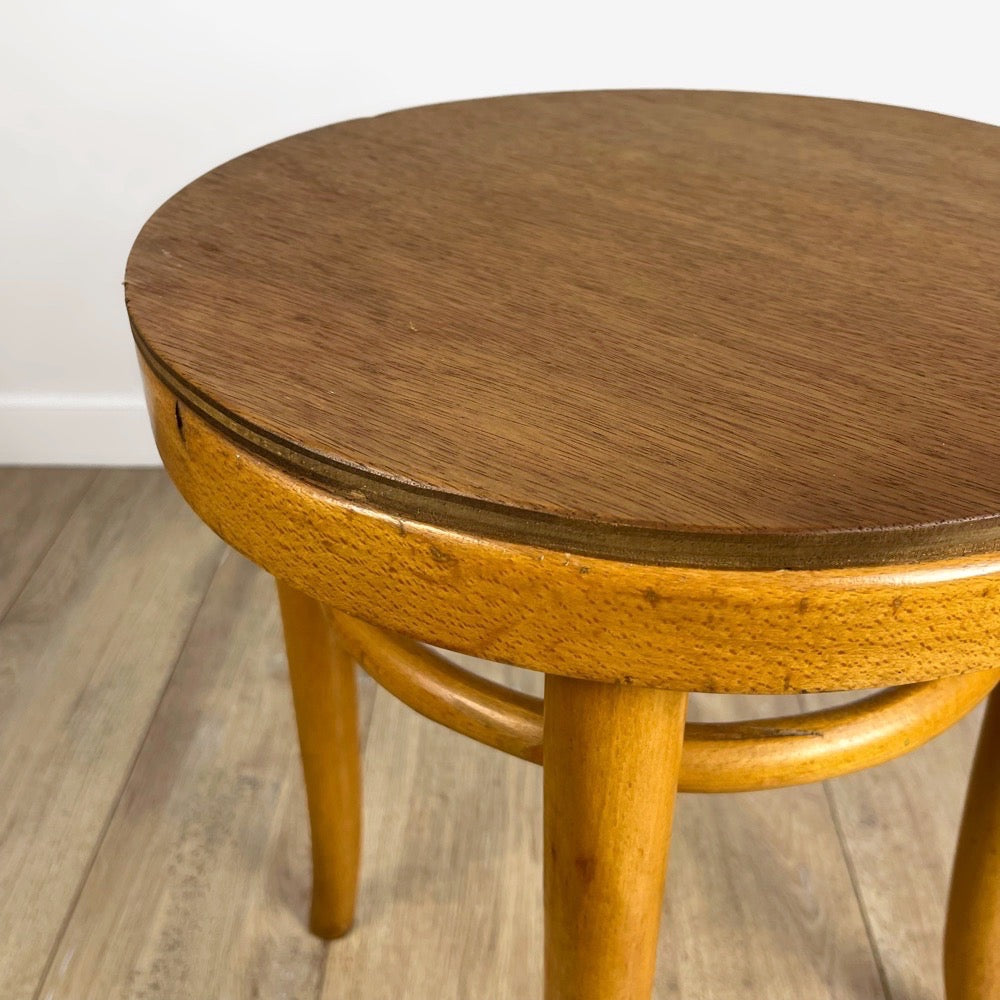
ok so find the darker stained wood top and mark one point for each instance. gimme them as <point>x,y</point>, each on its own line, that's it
<point>684,327</point>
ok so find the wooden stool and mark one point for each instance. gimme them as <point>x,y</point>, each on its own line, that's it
<point>655,392</point>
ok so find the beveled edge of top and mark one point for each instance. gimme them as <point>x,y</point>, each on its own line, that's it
<point>627,543</point>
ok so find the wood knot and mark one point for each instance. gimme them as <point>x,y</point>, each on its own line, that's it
<point>587,868</point>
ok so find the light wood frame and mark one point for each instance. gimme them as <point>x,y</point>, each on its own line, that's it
<point>621,645</point>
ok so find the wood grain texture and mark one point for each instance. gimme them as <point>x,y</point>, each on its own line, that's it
<point>612,759</point>
<point>686,327</point>
<point>661,626</point>
<point>748,755</point>
<point>326,715</point>
<point>200,887</point>
<point>85,652</point>
<point>972,935</point>
<point>828,742</point>
<point>34,506</point>
<point>437,688</point>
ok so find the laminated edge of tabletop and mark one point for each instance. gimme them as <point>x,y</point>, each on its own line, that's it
<point>749,551</point>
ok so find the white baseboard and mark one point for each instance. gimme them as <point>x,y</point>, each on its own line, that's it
<point>57,429</point>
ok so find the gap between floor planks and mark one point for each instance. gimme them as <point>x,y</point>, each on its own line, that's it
<point>194,871</point>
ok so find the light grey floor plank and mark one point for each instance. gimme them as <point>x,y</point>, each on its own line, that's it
<point>201,885</point>
<point>759,898</point>
<point>34,507</point>
<point>85,651</point>
<point>450,904</point>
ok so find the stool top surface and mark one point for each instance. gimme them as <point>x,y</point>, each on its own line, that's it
<point>709,329</point>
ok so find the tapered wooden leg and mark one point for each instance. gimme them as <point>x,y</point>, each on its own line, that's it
<point>326,712</point>
<point>972,935</point>
<point>612,756</point>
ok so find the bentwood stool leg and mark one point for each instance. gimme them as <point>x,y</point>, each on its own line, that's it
<point>972,936</point>
<point>326,712</point>
<point>612,756</point>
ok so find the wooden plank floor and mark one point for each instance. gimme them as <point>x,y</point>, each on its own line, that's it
<point>153,841</point>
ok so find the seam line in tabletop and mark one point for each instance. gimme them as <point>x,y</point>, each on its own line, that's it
<point>627,543</point>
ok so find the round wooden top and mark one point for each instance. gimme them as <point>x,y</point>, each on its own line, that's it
<point>692,328</point>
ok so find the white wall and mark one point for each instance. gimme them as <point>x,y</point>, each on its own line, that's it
<point>107,107</point>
